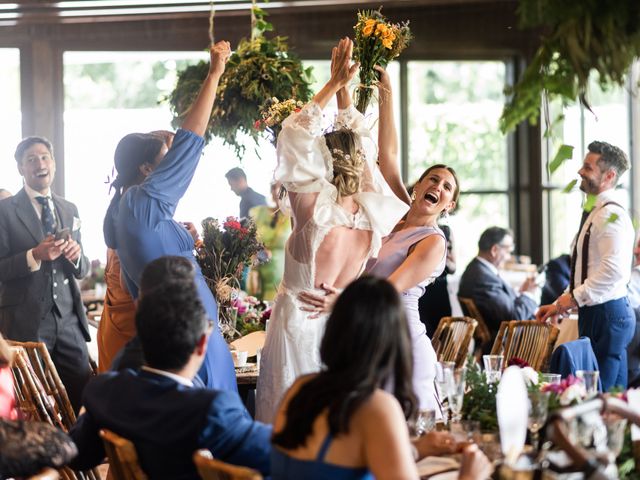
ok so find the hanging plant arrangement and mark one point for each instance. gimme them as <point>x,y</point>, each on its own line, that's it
<point>257,71</point>
<point>581,37</point>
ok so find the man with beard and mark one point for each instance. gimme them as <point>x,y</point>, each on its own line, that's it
<point>41,259</point>
<point>601,267</point>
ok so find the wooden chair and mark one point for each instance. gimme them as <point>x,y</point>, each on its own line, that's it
<point>529,340</point>
<point>212,469</point>
<point>482,332</point>
<point>47,373</point>
<point>46,474</point>
<point>39,404</point>
<point>452,338</point>
<point>123,459</point>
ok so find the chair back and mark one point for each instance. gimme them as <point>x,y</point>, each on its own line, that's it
<point>528,340</point>
<point>211,469</point>
<point>482,332</point>
<point>45,370</point>
<point>123,458</point>
<point>39,403</point>
<point>452,338</point>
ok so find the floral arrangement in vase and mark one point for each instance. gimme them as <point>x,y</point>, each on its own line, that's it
<point>252,314</point>
<point>273,113</point>
<point>377,42</point>
<point>222,253</point>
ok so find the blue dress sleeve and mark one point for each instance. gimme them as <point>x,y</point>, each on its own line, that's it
<point>170,180</point>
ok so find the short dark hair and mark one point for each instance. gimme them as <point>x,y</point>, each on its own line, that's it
<point>27,143</point>
<point>170,320</point>
<point>366,345</point>
<point>236,173</point>
<point>492,236</point>
<point>170,268</point>
<point>610,157</point>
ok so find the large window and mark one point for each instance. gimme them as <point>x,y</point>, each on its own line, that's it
<point>453,112</point>
<point>11,118</point>
<point>610,121</point>
<point>110,94</point>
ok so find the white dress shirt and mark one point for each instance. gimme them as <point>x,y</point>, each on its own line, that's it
<point>176,378</point>
<point>610,252</point>
<point>634,287</point>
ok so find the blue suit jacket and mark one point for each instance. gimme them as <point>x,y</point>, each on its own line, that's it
<point>168,422</point>
<point>495,299</point>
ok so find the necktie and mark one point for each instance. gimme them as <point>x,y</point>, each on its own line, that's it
<point>48,220</point>
<point>574,254</point>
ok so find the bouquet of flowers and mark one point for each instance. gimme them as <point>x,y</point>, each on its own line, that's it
<point>252,314</point>
<point>223,252</point>
<point>570,391</point>
<point>377,42</point>
<point>273,113</point>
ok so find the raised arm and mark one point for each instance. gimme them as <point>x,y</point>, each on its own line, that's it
<point>198,116</point>
<point>341,73</point>
<point>388,139</point>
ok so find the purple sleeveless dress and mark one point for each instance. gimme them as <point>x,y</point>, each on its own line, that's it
<point>394,251</point>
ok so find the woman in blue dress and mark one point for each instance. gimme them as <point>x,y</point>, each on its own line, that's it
<point>348,422</point>
<point>143,222</point>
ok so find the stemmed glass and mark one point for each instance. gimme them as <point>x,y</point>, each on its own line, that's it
<point>493,367</point>
<point>538,409</point>
<point>455,391</point>
<point>442,378</point>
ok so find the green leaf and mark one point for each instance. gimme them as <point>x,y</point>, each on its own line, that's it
<point>565,152</point>
<point>590,202</point>
<point>570,186</point>
<point>612,218</point>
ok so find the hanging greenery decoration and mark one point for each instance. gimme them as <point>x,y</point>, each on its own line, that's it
<point>580,37</point>
<point>257,71</point>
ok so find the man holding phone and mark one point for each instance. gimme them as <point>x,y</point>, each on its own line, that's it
<point>40,261</point>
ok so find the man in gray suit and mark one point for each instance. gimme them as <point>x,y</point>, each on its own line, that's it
<point>40,259</point>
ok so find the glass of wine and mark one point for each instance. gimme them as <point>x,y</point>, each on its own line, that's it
<point>538,410</point>
<point>455,391</point>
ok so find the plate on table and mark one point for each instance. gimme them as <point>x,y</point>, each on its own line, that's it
<point>247,368</point>
<point>438,468</point>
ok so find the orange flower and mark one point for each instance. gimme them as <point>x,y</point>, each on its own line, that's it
<point>387,39</point>
<point>381,29</point>
<point>369,25</point>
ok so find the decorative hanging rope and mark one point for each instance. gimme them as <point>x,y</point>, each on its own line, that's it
<point>212,13</point>
<point>254,20</point>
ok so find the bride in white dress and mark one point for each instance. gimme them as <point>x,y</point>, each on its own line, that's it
<point>339,215</point>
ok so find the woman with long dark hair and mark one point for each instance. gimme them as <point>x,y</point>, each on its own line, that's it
<point>143,224</point>
<point>349,420</point>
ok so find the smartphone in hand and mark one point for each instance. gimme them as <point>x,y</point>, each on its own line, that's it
<point>63,234</point>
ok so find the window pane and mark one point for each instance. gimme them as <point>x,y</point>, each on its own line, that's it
<point>454,109</point>
<point>110,94</point>
<point>475,214</point>
<point>11,118</point>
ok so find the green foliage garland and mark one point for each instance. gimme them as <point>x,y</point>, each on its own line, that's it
<point>581,36</point>
<point>480,399</point>
<point>258,70</point>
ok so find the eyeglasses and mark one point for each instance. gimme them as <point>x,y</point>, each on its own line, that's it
<point>508,247</point>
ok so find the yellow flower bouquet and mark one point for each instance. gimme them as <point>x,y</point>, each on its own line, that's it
<point>377,42</point>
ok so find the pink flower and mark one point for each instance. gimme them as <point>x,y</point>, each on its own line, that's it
<point>266,315</point>
<point>257,124</point>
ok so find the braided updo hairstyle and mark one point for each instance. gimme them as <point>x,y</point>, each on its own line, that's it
<point>348,161</point>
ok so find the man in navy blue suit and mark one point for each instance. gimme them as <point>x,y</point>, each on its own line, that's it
<point>157,407</point>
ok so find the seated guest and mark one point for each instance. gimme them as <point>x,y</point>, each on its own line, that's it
<point>558,271</point>
<point>633,349</point>
<point>350,420</point>
<point>158,409</point>
<point>494,297</point>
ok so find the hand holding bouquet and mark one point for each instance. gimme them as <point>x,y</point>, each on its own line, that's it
<point>377,42</point>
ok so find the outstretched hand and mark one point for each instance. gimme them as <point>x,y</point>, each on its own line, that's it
<point>342,71</point>
<point>219,54</point>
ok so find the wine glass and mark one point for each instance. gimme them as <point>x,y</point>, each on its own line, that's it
<point>538,409</point>
<point>493,367</point>
<point>441,383</point>
<point>455,391</point>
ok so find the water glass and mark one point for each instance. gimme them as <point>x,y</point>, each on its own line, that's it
<point>615,434</point>
<point>493,367</point>
<point>538,410</point>
<point>551,378</point>
<point>455,391</point>
<point>441,383</point>
<point>425,422</point>
<point>589,380</point>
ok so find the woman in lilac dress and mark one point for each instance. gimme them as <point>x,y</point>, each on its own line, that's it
<point>413,255</point>
<point>143,224</point>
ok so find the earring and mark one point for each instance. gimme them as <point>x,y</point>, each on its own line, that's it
<point>445,216</point>
<point>413,196</point>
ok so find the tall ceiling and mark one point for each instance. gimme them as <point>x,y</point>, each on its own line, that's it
<point>89,11</point>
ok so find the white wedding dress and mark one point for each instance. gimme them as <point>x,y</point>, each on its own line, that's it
<point>305,169</point>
